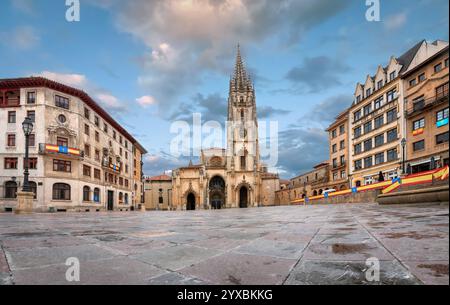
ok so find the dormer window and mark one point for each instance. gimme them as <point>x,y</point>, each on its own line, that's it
<point>358,99</point>
<point>392,76</point>
<point>380,85</point>
<point>368,92</point>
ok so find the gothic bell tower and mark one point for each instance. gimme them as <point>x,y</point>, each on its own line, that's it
<point>242,131</point>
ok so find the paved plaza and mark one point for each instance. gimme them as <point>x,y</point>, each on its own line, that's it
<point>279,245</point>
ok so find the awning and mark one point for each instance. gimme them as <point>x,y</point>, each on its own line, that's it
<point>424,161</point>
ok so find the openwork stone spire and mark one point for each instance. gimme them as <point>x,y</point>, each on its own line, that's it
<point>240,82</point>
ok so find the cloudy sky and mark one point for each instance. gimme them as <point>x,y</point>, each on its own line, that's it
<point>151,62</point>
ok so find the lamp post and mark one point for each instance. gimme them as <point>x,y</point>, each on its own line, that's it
<point>404,156</point>
<point>27,127</point>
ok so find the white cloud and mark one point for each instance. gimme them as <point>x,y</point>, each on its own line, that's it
<point>21,38</point>
<point>146,101</point>
<point>395,22</point>
<point>74,80</point>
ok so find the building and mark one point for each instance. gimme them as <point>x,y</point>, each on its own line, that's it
<point>312,183</point>
<point>426,97</point>
<point>158,193</point>
<point>138,175</point>
<point>339,152</point>
<point>81,159</point>
<point>233,177</point>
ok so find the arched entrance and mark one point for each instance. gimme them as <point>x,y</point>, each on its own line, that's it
<point>217,193</point>
<point>243,197</point>
<point>190,202</point>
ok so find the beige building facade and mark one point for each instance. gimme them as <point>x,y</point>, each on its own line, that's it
<point>81,159</point>
<point>426,97</point>
<point>233,177</point>
<point>158,193</point>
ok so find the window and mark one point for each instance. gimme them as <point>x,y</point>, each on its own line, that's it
<point>358,148</point>
<point>97,121</point>
<point>32,140</point>
<point>114,135</point>
<point>392,116</point>
<point>11,117</point>
<point>11,163</point>
<point>126,198</point>
<point>379,121</point>
<point>87,150</point>
<point>86,171</point>
<point>335,164</point>
<point>86,129</point>
<point>120,140</point>
<point>419,124</point>
<point>11,140</point>
<point>368,127</point>
<point>357,115</point>
<point>442,91</point>
<point>438,68</point>
<point>446,63</point>
<point>368,162</point>
<point>379,102</point>
<point>357,132</point>
<point>391,95</point>
<point>32,163</point>
<point>105,128</point>
<point>368,181</point>
<point>392,155</point>
<point>334,148</point>
<point>367,109</point>
<point>32,115</point>
<point>62,166</point>
<point>126,144</point>
<point>60,141</point>
<point>413,82</point>
<point>87,114</point>
<point>62,118</point>
<point>97,136</point>
<point>343,174</point>
<point>442,138</point>
<point>86,193</point>
<point>97,155</point>
<point>33,188</point>
<point>419,145</point>
<point>96,195</point>
<point>419,103</point>
<point>422,77</point>
<point>379,158</point>
<point>243,162</point>
<point>368,145</point>
<point>358,99</point>
<point>127,183</point>
<point>392,76</point>
<point>369,92</point>
<point>61,191</point>
<point>392,135</point>
<point>380,85</point>
<point>31,97</point>
<point>342,129</point>
<point>358,164</point>
<point>334,134</point>
<point>97,174</point>
<point>10,190</point>
<point>126,155</point>
<point>62,102</point>
<point>120,181</point>
<point>442,115</point>
<point>379,140</point>
<point>342,145</point>
<point>342,160</point>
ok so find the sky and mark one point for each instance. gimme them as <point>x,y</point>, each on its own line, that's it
<point>152,62</point>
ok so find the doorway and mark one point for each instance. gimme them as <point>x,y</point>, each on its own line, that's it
<point>190,202</point>
<point>243,198</point>
<point>110,201</point>
<point>217,193</point>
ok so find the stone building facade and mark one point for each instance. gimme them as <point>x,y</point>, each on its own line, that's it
<point>426,98</point>
<point>81,159</point>
<point>158,193</point>
<point>233,177</point>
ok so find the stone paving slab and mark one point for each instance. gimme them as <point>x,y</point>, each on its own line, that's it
<point>292,245</point>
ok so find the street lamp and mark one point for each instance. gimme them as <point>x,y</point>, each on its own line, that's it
<point>27,127</point>
<point>404,156</point>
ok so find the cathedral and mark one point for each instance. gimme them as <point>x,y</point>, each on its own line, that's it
<point>233,177</point>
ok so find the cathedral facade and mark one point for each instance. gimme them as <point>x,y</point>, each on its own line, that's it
<point>233,177</point>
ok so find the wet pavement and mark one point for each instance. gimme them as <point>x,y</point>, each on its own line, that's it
<point>280,245</point>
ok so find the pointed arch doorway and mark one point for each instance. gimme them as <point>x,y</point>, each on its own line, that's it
<point>190,206</point>
<point>243,197</point>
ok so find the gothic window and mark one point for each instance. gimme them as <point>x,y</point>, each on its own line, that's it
<point>244,161</point>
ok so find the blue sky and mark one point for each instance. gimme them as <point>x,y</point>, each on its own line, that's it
<point>152,62</point>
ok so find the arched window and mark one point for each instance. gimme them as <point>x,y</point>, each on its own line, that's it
<point>86,193</point>
<point>126,198</point>
<point>97,195</point>
<point>120,198</point>
<point>315,193</point>
<point>61,191</point>
<point>320,192</point>
<point>33,188</point>
<point>358,183</point>
<point>10,190</point>
<point>244,161</point>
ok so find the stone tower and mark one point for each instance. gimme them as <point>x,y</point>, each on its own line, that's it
<point>242,131</point>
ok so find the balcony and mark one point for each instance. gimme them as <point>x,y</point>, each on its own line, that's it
<point>340,165</point>
<point>51,149</point>
<point>425,104</point>
<point>111,166</point>
<point>9,99</point>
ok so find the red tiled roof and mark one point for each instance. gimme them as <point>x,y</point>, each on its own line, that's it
<point>160,178</point>
<point>36,82</point>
